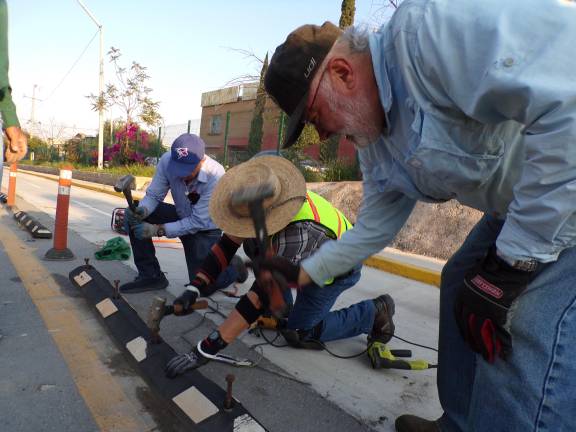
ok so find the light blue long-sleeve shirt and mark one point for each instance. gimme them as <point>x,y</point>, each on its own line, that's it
<point>480,100</point>
<point>193,218</point>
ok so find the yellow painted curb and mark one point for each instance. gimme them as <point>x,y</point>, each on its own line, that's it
<point>399,268</point>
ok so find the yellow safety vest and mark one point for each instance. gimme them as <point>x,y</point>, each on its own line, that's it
<point>319,210</point>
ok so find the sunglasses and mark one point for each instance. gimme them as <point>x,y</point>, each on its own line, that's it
<point>307,119</point>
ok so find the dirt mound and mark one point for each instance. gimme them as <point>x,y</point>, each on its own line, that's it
<point>435,230</point>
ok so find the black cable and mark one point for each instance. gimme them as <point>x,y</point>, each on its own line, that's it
<point>416,344</point>
<point>72,67</point>
<point>324,347</point>
<point>320,343</point>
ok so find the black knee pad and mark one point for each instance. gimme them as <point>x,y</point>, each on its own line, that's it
<point>248,311</point>
<point>262,295</point>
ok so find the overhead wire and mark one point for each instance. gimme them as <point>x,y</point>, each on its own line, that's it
<point>72,67</point>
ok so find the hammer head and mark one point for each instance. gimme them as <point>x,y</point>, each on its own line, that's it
<point>156,313</point>
<point>252,194</point>
<point>124,183</point>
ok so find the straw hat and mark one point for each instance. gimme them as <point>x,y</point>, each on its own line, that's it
<point>289,194</point>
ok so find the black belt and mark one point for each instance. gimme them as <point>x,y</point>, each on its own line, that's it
<point>215,230</point>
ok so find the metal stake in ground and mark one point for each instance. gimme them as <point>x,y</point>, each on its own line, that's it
<point>60,250</point>
<point>229,401</point>
<point>11,200</point>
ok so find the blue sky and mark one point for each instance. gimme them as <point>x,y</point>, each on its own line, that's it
<point>184,44</point>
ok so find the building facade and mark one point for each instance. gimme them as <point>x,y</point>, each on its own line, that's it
<point>227,113</point>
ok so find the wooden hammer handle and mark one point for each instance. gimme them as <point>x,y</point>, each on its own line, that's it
<point>200,304</point>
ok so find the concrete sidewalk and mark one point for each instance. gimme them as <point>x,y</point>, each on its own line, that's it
<point>291,389</point>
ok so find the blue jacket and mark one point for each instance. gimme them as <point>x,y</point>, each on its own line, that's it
<point>193,218</point>
<point>480,99</point>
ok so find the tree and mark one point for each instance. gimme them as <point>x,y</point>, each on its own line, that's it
<point>329,148</point>
<point>256,126</point>
<point>347,13</point>
<point>131,94</point>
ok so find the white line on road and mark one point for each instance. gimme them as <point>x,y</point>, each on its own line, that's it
<point>90,207</point>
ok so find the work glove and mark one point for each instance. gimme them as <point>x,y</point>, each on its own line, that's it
<point>145,230</point>
<point>483,303</point>
<point>17,144</point>
<point>183,303</point>
<point>184,362</point>
<point>134,217</point>
<point>275,275</point>
<point>280,265</point>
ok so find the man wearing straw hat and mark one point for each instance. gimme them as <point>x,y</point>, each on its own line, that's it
<point>299,222</point>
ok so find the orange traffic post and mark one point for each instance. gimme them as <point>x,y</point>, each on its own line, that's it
<point>11,200</point>
<point>60,250</point>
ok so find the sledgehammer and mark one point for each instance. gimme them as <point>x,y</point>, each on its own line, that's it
<point>159,310</point>
<point>254,197</point>
<point>124,185</point>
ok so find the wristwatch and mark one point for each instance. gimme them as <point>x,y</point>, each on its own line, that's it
<point>161,231</point>
<point>528,265</point>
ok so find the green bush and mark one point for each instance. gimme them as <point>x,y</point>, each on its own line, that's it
<point>135,169</point>
<point>340,170</point>
<point>311,176</point>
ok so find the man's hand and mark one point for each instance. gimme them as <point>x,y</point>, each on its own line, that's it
<point>483,303</point>
<point>283,266</point>
<point>135,217</point>
<point>183,304</point>
<point>17,144</point>
<point>144,230</point>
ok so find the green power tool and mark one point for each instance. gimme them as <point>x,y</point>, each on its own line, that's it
<point>382,357</point>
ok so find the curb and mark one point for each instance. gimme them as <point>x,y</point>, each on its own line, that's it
<point>194,399</point>
<point>409,271</point>
<point>399,268</point>
<point>75,183</point>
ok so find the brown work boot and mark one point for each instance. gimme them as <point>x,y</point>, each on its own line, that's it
<point>383,327</point>
<point>411,423</point>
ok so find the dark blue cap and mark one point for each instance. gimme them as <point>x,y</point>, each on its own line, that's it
<point>186,153</point>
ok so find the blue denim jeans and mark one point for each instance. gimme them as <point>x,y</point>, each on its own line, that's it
<point>196,248</point>
<point>533,390</point>
<point>312,310</point>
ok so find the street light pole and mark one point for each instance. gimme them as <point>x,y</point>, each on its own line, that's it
<point>100,89</point>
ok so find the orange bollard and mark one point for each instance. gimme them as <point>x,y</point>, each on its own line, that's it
<point>11,200</point>
<point>60,250</point>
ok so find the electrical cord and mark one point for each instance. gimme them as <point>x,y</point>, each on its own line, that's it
<point>216,310</point>
<point>332,353</point>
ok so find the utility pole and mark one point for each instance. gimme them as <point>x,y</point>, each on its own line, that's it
<point>33,128</point>
<point>100,89</point>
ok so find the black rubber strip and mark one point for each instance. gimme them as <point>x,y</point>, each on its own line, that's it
<point>35,228</point>
<point>126,325</point>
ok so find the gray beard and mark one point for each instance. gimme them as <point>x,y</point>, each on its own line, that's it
<point>359,125</point>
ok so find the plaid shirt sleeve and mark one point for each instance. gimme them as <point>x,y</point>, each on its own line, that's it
<point>299,240</point>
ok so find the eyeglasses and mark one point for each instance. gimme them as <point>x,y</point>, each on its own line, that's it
<point>307,118</point>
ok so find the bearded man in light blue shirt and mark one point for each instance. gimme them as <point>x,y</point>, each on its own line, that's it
<point>473,101</point>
